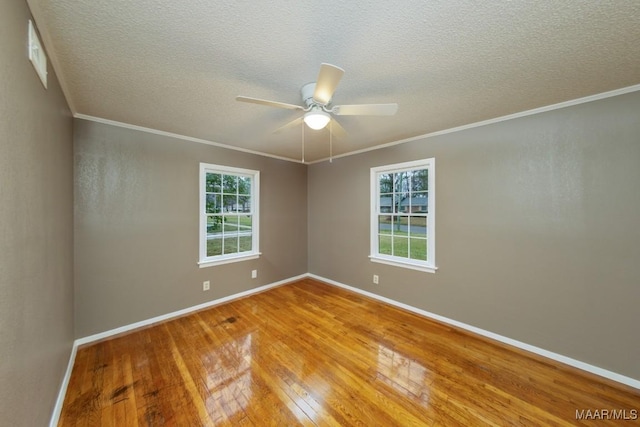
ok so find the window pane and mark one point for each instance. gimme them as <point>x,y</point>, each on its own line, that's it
<point>214,235</point>
<point>397,202</point>
<point>245,231</point>
<point>231,244</point>
<point>401,246</point>
<point>236,206</point>
<point>230,184</point>
<point>214,246</point>
<point>244,203</point>
<point>418,226</point>
<point>406,202</point>
<point>245,222</point>
<point>230,224</point>
<point>386,203</point>
<point>214,224</point>
<point>384,224</point>
<point>397,181</point>
<point>384,245</point>
<point>246,242</point>
<point>403,202</point>
<point>418,249</point>
<point>230,203</point>
<point>231,227</point>
<point>244,185</point>
<point>402,181</point>
<point>419,202</point>
<point>213,203</point>
<point>419,180</point>
<point>398,224</point>
<point>213,183</point>
<point>385,181</point>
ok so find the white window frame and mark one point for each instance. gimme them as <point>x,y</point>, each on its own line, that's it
<point>209,261</point>
<point>430,264</point>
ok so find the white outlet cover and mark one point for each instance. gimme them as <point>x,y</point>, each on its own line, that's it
<point>254,274</point>
<point>37,55</point>
<point>206,286</point>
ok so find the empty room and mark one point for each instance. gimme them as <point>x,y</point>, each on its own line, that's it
<point>319,213</point>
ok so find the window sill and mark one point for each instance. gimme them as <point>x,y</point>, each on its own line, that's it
<point>424,268</point>
<point>252,255</point>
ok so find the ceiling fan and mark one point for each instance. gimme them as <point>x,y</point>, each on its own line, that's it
<point>318,110</point>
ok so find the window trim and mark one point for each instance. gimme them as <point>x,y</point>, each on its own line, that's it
<point>203,260</point>
<point>430,264</point>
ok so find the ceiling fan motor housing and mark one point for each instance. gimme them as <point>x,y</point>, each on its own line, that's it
<point>307,94</point>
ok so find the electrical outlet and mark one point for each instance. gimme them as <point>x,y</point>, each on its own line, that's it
<point>206,285</point>
<point>376,279</point>
<point>254,274</point>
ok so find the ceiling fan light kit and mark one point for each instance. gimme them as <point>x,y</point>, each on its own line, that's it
<point>316,97</point>
<point>316,118</point>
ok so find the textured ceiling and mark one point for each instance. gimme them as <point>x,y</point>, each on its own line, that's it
<point>177,66</point>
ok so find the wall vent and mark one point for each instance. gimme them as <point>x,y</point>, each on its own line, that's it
<point>37,55</point>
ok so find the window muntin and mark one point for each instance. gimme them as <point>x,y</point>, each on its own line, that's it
<point>403,214</point>
<point>228,214</point>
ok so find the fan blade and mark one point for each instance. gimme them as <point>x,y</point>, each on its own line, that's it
<point>365,110</point>
<point>268,103</point>
<point>336,129</point>
<point>289,125</point>
<point>328,79</point>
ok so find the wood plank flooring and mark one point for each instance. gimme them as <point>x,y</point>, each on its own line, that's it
<point>310,354</point>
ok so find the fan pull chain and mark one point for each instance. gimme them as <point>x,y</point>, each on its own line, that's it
<point>330,142</point>
<point>303,142</point>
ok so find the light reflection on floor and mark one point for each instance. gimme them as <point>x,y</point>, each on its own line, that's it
<point>229,377</point>
<point>405,375</point>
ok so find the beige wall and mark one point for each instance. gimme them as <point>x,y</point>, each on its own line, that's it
<point>538,234</point>
<point>36,217</point>
<point>136,226</point>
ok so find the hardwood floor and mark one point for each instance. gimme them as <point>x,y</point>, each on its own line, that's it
<point>308,353</point>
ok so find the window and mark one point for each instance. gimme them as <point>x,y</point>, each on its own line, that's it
<point>403,215</point>
<point>228,214</point>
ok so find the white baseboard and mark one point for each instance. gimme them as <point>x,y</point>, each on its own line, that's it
<point>506,340</point>
<point>57,409</point>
